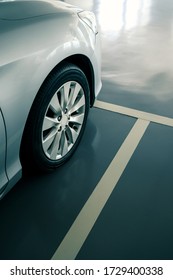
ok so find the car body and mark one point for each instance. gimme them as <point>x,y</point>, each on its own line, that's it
<point>46,48</point>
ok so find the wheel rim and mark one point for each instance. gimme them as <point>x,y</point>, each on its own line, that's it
<point>63,120</point>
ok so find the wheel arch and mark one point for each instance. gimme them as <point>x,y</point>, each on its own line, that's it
<point>85,65</point>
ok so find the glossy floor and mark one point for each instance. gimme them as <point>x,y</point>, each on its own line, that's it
<point>113,199</point>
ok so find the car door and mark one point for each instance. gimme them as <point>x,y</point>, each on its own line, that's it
<point>3,177</point>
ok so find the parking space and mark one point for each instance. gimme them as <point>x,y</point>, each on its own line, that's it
<point>136,222</point>
<point>113,199</point>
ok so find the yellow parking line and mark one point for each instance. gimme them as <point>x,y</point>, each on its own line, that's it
<point>134,113</point>
<point>77,234</point>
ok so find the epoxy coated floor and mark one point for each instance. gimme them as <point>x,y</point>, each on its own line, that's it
<point>113,199</point>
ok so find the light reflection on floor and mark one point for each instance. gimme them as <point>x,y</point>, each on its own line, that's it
<point>137,43</point>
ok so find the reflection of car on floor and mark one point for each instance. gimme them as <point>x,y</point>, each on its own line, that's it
<point>49,77</point>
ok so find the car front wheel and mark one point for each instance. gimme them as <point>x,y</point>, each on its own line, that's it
<point>57,119</point>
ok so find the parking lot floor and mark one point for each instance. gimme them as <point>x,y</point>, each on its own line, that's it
<point>39,210</point>
<point>112,200</point>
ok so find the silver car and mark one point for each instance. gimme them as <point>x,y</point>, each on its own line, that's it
<point>49,77</point>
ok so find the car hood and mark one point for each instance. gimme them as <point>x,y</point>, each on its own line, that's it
<point>24,9</point>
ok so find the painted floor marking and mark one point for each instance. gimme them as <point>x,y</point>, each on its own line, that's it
<point>80,229</point>
<point>134,113</point>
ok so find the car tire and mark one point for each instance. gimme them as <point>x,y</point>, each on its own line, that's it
<point>57,119</point>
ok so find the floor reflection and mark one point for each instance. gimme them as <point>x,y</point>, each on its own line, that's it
<point>137,43</point>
